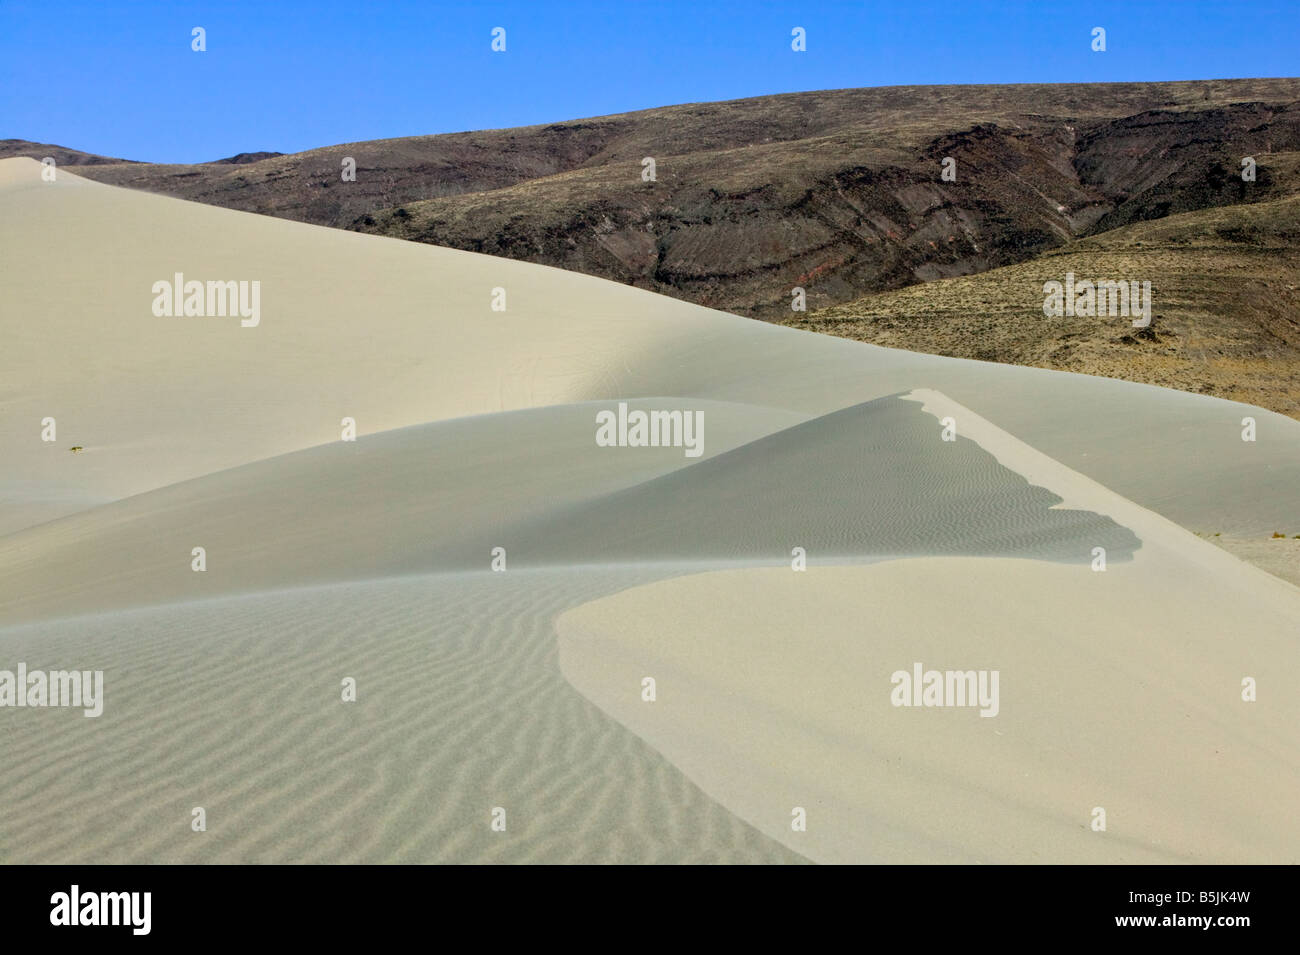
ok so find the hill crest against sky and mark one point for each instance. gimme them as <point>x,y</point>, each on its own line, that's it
<point>841,194</point>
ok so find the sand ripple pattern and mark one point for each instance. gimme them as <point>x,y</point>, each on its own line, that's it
<point>234,705</point>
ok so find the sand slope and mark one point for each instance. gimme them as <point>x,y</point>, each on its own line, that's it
<point>329,559</point>
<point>394,334</point>
<point>427,498</point>
<point>872,480</point>
<point>1118,689</point>
<point>774,692</point>
<point>233,705</point>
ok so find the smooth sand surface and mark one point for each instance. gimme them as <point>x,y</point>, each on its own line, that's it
<point>426,498</point>
<point>370,559</point>
<point>773,692</point>
<point>1118,689</point>
<point>395,333</point>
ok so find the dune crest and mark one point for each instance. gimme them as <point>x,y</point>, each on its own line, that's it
<point>774,694</point>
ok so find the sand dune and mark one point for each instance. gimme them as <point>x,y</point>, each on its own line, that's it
<point>233,705</point>
<point>873,480</point>
<point>1118,689</point>
<point>774,693</point>
<point>328,559</point>
<point>435,497</point>
<point>395,334</point>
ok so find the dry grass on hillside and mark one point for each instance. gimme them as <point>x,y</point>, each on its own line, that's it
<point>1225,316</point>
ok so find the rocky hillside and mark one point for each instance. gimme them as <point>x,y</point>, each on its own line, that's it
<point>1225,306</point>
<point>837,192</point>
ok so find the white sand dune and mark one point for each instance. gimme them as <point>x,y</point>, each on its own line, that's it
<point>328,559</point>
<point>394,334</point>
<point>1118,689</point>
<point>427,498</point>
<point>870,481</point>
<point>233,705</point>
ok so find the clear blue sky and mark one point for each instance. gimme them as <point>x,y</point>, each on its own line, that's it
<point>119,78</point>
